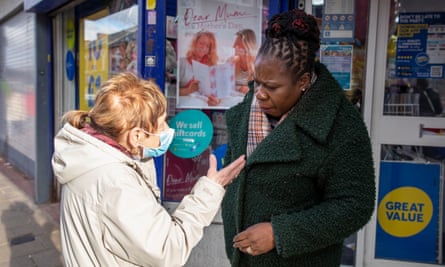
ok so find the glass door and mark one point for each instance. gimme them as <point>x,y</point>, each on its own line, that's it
<point>408,134</point>
<point>107,45</point>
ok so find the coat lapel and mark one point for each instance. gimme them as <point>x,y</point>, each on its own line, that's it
<point>317,109</point>
<point>281,145</point>
<point>314,116</point>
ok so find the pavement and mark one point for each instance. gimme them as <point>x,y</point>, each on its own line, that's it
<point>29,232</point>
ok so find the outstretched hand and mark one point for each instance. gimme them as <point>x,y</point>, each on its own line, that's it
<point>227,174</point>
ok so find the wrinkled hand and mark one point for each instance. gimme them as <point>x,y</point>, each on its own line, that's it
<point>227,174</point>
<point>213,100</point>
<point>255,240</point>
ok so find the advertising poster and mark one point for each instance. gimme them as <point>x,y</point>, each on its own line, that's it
<point>338,60</point>
<point>197,134</point>
<point>408,212</point>
<point>207,76</point>
<point>338,21</point>
<point>182,173</point>
<point>193,133</point>
<point>420,49</point>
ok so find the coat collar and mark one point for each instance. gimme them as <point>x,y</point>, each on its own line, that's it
<point>313,115</point>
<point>317,109</point>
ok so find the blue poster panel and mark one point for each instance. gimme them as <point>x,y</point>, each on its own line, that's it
<point>420,45</point>
<point>338,60</point>
<point>408,208</point>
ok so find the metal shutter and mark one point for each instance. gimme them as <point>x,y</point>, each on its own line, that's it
<point>18,91</point>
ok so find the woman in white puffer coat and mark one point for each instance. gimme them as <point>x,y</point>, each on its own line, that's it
<point>110,207</point>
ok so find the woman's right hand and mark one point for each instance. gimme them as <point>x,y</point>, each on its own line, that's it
<point>192,86</point>
<point>227,174</point>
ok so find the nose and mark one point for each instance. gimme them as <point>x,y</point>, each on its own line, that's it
<point>259,92</point>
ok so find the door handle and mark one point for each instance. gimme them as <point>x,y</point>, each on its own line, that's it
<point>433,131</point>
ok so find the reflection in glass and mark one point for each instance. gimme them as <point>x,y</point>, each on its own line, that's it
<point>415,79</point>
<point>107,46</point>
<point>413,153</point>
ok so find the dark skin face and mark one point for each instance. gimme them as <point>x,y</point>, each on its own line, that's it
<point>276,88</point>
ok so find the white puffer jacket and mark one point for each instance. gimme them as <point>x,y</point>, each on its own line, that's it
<point>110,209</point>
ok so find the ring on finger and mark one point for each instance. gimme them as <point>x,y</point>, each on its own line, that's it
<point>249,250</point>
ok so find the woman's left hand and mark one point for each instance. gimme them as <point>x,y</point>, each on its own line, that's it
<point>213,100</point>
<point>255,240</point>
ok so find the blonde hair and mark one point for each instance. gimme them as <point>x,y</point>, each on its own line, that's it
<point>122,103</point>
<point>212,56</point>
<point>248,39</point>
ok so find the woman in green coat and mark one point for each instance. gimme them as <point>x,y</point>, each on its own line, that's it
<point>309,178</point>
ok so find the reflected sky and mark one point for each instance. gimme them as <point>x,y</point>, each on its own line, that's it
<point>113,23</point>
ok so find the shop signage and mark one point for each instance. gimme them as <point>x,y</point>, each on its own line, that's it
<point>338,21</point>
<point>70,65</point>
<point>188,156</point>
<point>420,45</point>
<point>193,133</point>
<point>408,212</point>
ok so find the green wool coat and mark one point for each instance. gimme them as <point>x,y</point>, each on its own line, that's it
<point>312,178</point>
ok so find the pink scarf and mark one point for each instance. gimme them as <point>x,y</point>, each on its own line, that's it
<point>259,126</point>
<point>106,139</point>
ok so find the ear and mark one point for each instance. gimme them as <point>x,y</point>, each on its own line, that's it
<point>304,80</point>
<point>133,137</point>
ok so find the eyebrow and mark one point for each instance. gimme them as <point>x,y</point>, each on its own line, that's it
<point>268,82</point>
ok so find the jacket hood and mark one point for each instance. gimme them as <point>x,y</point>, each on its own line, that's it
<point>76,153</point>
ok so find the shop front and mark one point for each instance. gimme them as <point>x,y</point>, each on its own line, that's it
<point>381,53</point>
<point>407,129</point>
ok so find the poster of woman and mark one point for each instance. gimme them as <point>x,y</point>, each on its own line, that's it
<point>214,54</point>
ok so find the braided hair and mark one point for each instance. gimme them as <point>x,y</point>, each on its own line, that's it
<point>294,38</point>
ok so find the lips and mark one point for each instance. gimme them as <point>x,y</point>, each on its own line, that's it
<point>265,109</point>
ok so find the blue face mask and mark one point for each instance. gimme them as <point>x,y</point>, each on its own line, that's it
<point>166,138</point>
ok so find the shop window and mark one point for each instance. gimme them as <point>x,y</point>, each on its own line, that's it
<point>107,45</point>
<point>344,28</point>
<point>415,78</point>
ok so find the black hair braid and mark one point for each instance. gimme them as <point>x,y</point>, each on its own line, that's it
<point>294,37</point>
